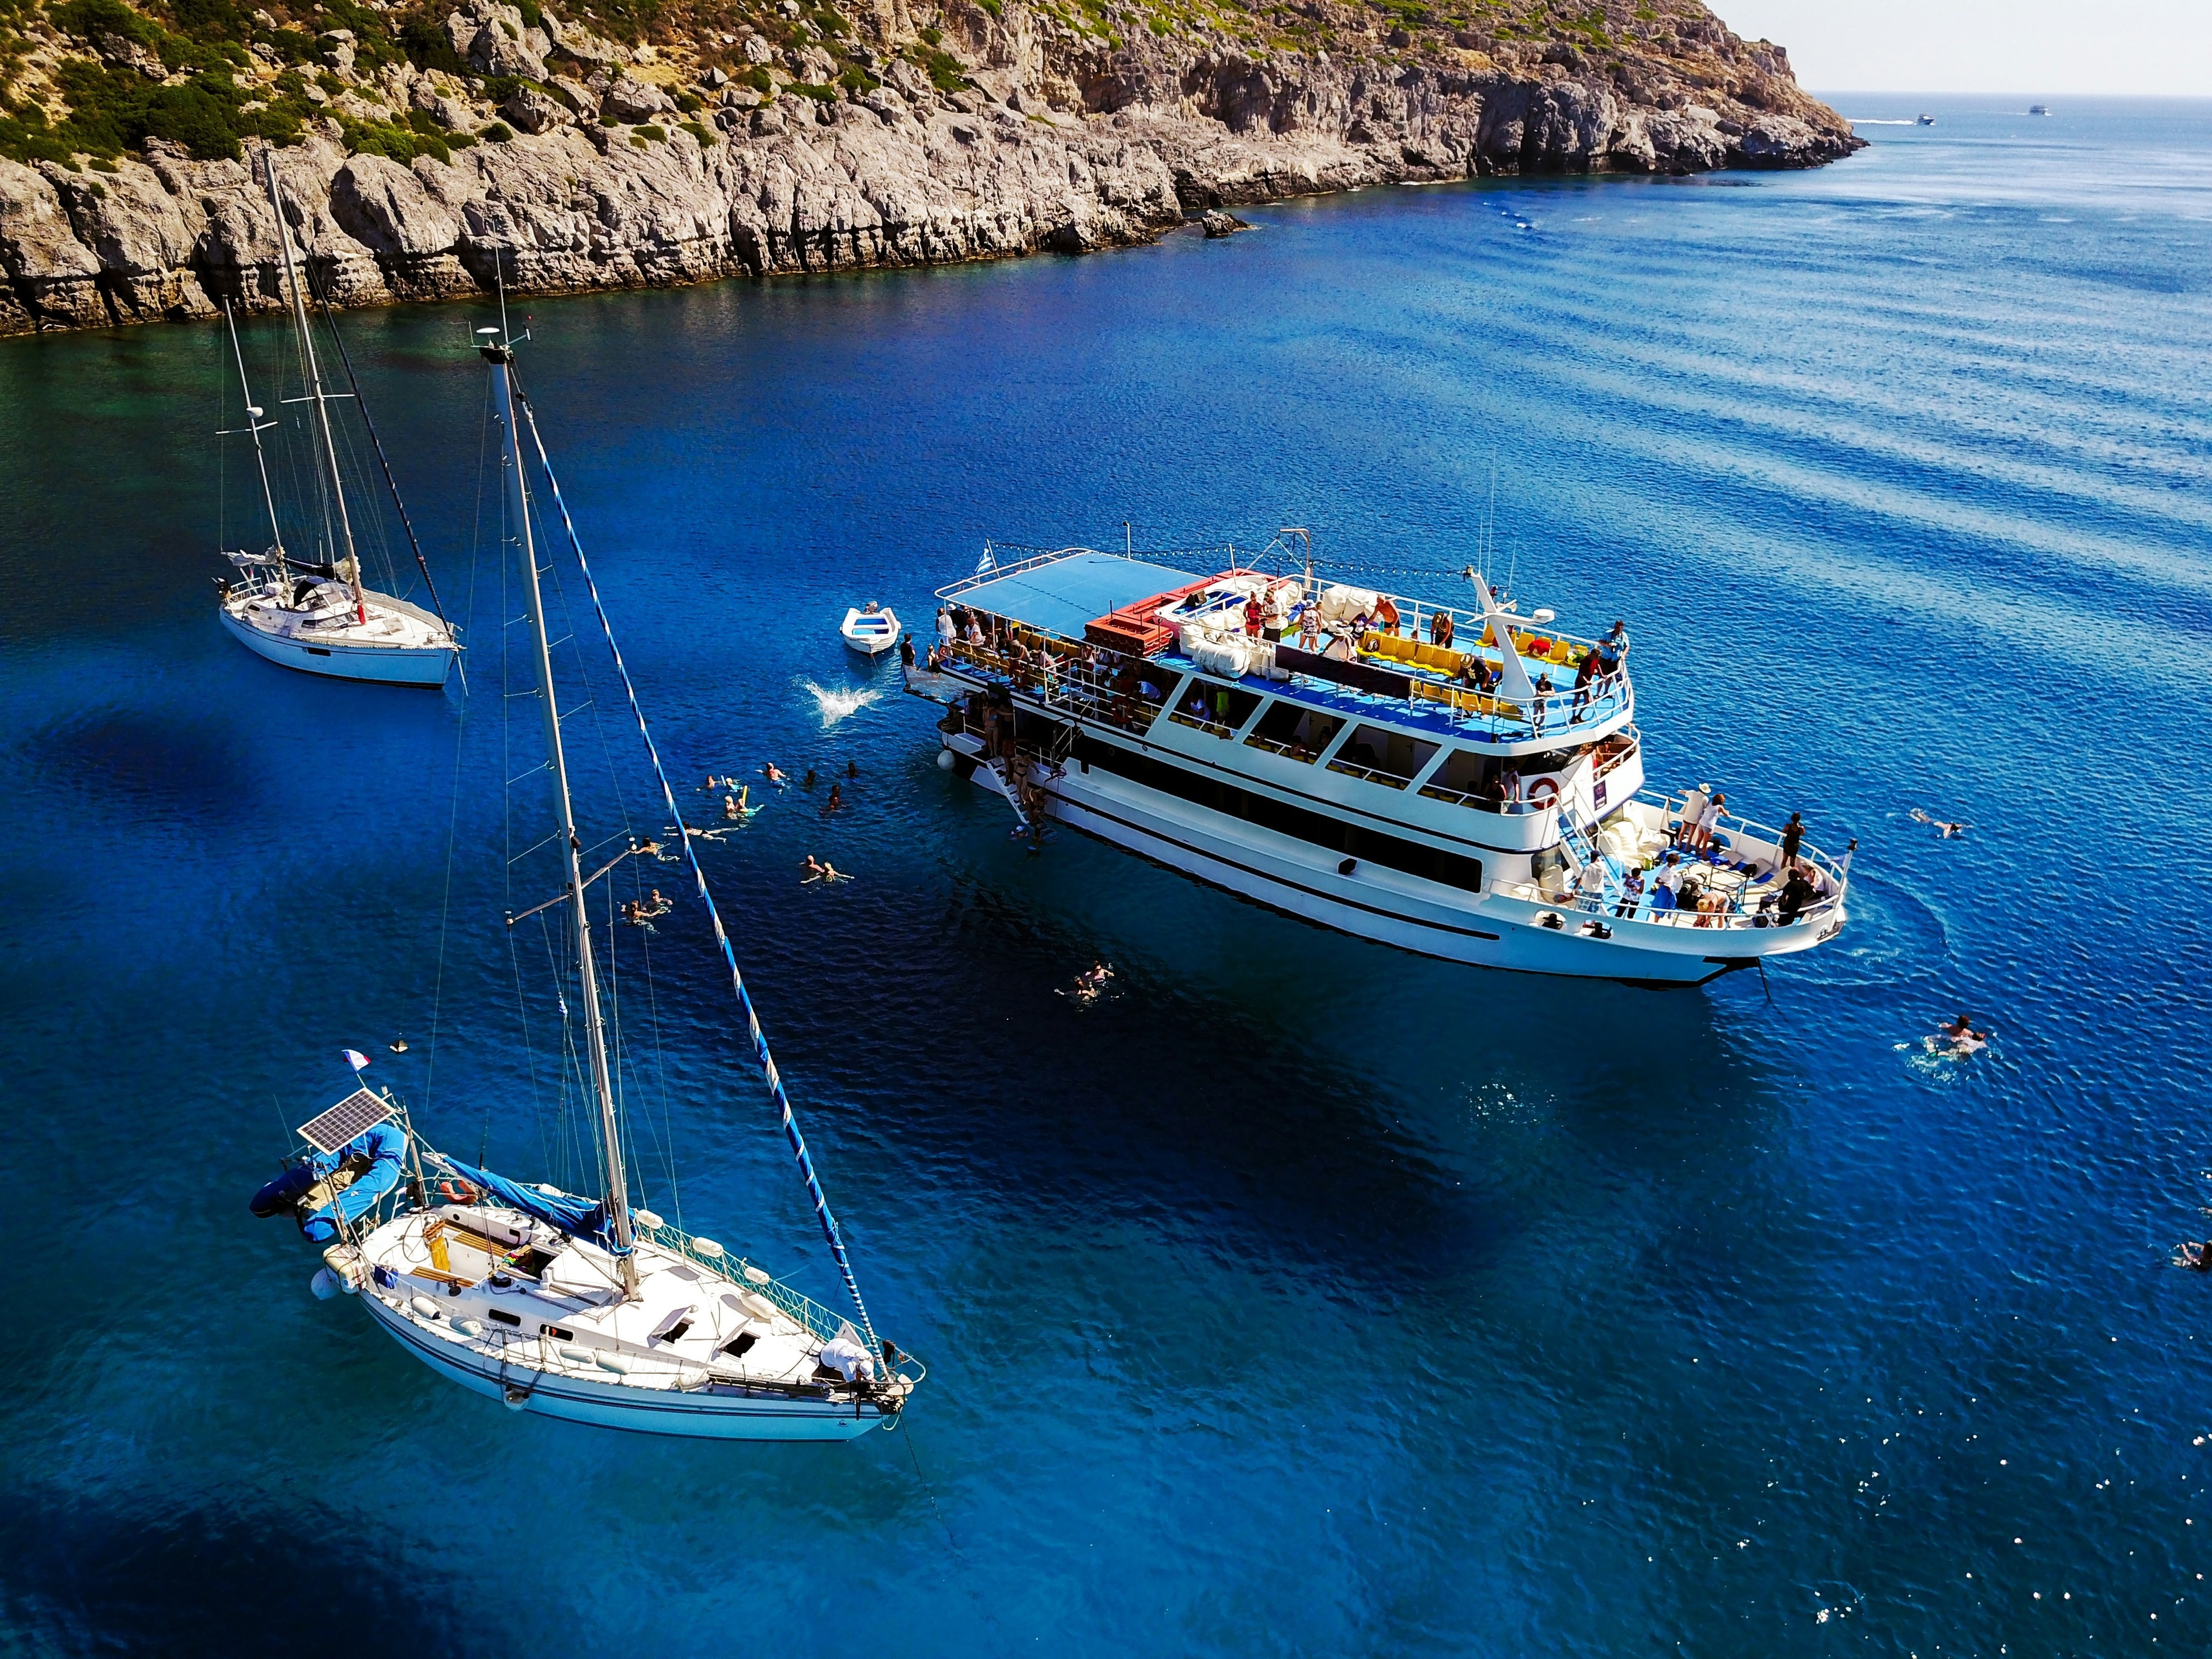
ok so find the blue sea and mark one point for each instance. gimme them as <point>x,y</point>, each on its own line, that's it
<point>1301,1296</point>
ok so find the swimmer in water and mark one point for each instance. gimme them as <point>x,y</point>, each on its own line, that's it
<point>730,807</point>
<point>2195,1256</point>
<point>1090,984</point>
<point>1958,1038</point>
<point>775,775</point>
<point>836,801</point>
<point>852,768</point>
<point>1944,831</point>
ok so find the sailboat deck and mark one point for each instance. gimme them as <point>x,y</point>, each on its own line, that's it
<point>686,1327</point>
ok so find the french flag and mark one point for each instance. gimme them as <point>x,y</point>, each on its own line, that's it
<point>355,1059</point>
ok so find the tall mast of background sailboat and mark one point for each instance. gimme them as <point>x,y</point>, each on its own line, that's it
<point>329,446</point>
<point>253,426</point>
<point>618,1186</point>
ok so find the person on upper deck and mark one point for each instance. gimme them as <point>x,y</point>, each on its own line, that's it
<point>1255,616</point>
<point>1793,837</point>
<point>906,650</point>
<point>1440,629</point>
<point>1614,645</point>
<point>1308,627</point>
<point>1585,676</point>
<point>1386,615</point>
<point>945,631</point>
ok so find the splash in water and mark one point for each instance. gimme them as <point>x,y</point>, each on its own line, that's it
<point>835,705</point>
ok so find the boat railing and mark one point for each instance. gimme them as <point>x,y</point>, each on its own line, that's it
<point>1063,679</point>
<point>1572,903</point>
<point>1836,874</point>
<point>1352,769</point>
<point>802,1310</point>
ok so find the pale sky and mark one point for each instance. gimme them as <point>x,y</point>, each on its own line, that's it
<point>2161,47</point>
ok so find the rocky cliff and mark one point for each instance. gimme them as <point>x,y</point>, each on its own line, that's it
<point>427,156</point>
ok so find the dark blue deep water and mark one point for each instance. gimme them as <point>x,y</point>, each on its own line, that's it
<point>1307,1298</point>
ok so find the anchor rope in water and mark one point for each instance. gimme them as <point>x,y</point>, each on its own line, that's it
<point>829,1229</point>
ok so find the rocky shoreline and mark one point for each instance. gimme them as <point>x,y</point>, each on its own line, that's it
<point>612,166</point>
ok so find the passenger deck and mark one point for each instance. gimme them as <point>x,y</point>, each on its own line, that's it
<point>1354,651</point>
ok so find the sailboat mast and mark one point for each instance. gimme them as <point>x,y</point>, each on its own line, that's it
<point>330,448</point>
<point>501,357</point>
<point>253,426</point>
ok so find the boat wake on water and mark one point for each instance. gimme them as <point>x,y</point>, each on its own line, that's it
<point>835,706</point>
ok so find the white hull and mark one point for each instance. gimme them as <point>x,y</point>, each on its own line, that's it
<point>869,641</point>
<point>1487,930</point>
<point>424,665</point>
<point>696,1414</point>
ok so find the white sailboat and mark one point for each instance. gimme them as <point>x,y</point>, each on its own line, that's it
<point>315,615</point>
<point>573,1306</point>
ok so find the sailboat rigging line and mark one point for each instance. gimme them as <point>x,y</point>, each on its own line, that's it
<point>312,374</point>
<point>615,1193</point>
<point>829,1229</point>
<point>253,426</point>
<point>446,904</point>
<point>391,482</point>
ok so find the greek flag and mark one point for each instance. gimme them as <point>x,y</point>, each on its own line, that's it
<point>985,565</point>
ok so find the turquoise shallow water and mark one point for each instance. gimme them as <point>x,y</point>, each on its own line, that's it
<point>1304,1297</point>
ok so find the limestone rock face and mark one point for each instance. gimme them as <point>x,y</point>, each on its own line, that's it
<point>1067,142</point>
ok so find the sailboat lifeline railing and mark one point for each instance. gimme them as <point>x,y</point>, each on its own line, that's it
<point>828,1221</point>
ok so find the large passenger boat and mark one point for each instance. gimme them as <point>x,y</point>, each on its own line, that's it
<point>1459,781</point>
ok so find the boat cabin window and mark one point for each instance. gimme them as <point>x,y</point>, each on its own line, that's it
<point>1467,778</point>
<point>502,1316</point>
<point>1363,843</point>
<point>557,1332</point>
<point>1381,756</point>
<point>1212,707</point>
<point>1301,733</point>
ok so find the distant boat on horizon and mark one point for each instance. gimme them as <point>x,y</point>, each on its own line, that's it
<point>1924,121</point>
<point>2038,109</point>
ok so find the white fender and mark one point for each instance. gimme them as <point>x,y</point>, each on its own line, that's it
<point>425,1307</point>
<point>325,1283</point>
<point>469,1327</point>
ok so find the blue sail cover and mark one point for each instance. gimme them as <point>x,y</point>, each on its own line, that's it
<point>578,1218</point>
<point>386,1146</point>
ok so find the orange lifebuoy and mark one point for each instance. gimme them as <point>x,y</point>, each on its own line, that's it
<point>1543,792</point>
<point>457,1192</point>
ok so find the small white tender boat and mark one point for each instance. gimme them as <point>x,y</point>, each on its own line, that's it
<point>870,628</point>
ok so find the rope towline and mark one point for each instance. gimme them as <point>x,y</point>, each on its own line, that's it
<point>829,1229</point>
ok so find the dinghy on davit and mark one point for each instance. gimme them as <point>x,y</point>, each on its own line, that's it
<point>580,1305</point>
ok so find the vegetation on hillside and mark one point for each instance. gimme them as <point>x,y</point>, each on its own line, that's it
<point>88,80</point>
